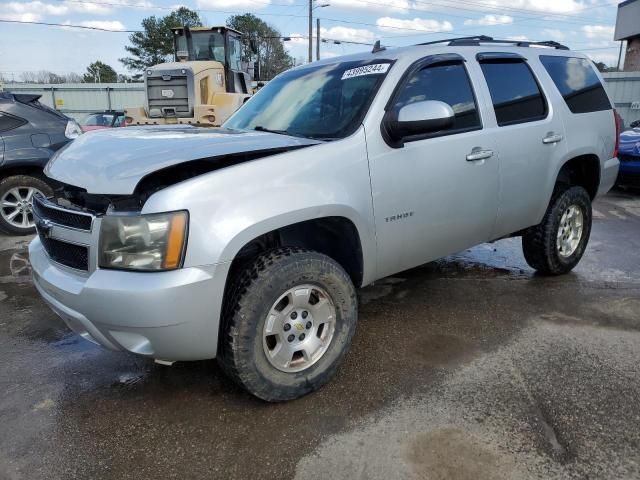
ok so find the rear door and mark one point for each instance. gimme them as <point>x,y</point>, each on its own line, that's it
<point>529,135</point>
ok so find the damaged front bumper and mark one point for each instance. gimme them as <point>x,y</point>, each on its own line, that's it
<point>165,315</point>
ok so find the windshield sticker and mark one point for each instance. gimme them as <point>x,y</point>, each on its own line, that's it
<point>373,69</point>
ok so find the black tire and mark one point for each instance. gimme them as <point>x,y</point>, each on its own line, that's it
<point>539,242</point>
<point>241,353</point>
<point>22,182</point>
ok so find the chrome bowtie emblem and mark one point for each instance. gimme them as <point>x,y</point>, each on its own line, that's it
<point>44,228</point>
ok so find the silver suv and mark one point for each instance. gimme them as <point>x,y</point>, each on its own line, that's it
<point>247,243</point>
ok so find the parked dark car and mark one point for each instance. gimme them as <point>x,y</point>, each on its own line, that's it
<point>629,156</point>
<point>30,133</point>
<point>106,119</point>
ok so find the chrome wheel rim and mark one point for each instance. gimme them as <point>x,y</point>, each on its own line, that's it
<point>570,231</point>
<point>16,207</point>
<point>299,328</point>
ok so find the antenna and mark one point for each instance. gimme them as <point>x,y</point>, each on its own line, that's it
<point>377,47</point>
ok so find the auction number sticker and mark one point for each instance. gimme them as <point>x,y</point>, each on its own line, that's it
<point>372,69</point>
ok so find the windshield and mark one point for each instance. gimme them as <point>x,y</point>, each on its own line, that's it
<point>204,46</point>
<point>99,120</point>
<point>326,101</point>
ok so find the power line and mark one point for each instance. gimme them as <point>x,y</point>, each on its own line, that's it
<point>69,26</point>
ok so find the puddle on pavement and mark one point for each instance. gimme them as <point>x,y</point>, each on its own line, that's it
<point>453,453</point>
<point>15,266</point>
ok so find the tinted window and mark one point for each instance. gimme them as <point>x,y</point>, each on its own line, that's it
<point>9,122</point>
<point>578,83</point>
<point>448,83</point>
<point>514,91</point>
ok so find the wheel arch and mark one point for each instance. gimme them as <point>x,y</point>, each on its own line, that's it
<point>334,233</point>
<point>581,170</point>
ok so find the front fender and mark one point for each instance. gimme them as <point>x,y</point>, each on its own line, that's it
<point>230,207</point>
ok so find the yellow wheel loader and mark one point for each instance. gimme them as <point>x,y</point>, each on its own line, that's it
<point>205,84</point>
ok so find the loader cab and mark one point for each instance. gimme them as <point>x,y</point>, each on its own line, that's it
<point>217,44</point>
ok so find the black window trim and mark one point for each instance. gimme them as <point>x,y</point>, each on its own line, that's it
<point>508,58</point>
<point>421,64</point>
<point>21,121</point>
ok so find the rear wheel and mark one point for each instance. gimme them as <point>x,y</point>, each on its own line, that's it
<point>289,323</point>
<point>557,244</point>
<point>16,200</point>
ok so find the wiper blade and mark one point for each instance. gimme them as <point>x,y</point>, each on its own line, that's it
<point>260,128</point>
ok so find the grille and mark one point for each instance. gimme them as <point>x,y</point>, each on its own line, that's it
<point>74,256</point>
<point>61,217</point>
<point>178,100</point>
<point>628,158</point>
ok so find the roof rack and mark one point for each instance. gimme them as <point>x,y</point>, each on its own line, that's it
<point>479,39</point>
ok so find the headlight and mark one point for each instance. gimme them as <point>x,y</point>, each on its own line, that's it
<point>143,242</point>
<point>72,130</point>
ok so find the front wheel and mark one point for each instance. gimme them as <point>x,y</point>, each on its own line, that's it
<point>288,325</point>
<point>557,244</point>
<point>16,200</point>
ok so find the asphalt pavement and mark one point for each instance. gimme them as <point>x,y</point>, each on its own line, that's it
<point>471,367</point>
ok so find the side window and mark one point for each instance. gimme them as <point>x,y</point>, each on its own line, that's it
<point>9,122</point>
<point>449,83</point>
<point>515,93</point>
<point>118,121</point>
<point>577,82</point>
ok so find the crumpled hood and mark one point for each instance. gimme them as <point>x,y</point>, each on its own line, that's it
<point>113,161</point>
<point>630,142</point>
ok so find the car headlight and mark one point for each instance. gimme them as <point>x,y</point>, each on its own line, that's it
<point>143,242</point>
<point>72,130</point>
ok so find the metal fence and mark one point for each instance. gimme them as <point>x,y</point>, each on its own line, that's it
<point>624,89</point>
<point>78,99</point>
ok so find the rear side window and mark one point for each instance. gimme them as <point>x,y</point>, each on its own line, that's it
<point>515,93</point>
<point>448,83</point>
<point>9,122</point>
<point>577,82</point>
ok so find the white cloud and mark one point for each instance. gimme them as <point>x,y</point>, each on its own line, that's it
<point>518,38</point>
<point>105,24</point>
<point>235,4</point>
<point>389,24</point>
<point>347,34</point>
<point>491,20</point>
<point>377,5</point>
<point>37,10</point>
<point>115,25</point>
<point>547,6</point>
<point>30,11</point>
<point>599,32</point>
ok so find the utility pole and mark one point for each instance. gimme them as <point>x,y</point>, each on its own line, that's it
<point>310,31</point>
<point>317,39</point>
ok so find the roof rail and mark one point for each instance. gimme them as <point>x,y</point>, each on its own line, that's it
<point>480,39</point>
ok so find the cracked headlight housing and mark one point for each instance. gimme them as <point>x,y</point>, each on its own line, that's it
<point>154,242</point>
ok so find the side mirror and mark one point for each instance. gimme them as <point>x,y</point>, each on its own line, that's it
<point>419,118</point>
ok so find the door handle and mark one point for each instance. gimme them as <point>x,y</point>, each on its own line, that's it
<point>476,155</point>
<point>551,138</point>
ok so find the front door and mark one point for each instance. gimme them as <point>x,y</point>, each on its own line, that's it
<point>437,194</point>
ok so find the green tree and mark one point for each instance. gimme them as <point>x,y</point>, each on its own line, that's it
<point>99,72</point>
<point>154,44</point>
<point>271,54</point>
<point>604,68</point>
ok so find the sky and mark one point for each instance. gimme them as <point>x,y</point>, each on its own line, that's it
<point>583,25</point>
